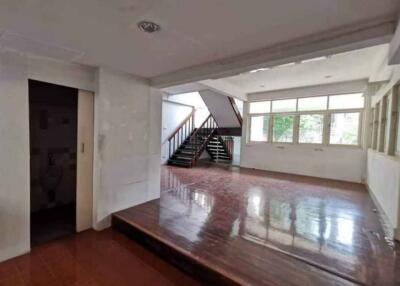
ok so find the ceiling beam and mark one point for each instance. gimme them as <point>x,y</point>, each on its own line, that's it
<point>356,36</point>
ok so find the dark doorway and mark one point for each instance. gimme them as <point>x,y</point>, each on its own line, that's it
<point>53,144</point>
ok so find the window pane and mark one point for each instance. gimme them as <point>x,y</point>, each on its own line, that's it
<point>398,124</point>
<point>344,128</point>
<point>283,128</point>
<point>346,101</point>
<point>313,103</point>
<point>260,107</point>
<point>284,105</point>
<point>311,128</point>
<point>259,128</point>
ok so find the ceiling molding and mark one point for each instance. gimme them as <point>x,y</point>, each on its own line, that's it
<point>347,38</point>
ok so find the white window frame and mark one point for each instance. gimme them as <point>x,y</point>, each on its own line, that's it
<point>327,113</point>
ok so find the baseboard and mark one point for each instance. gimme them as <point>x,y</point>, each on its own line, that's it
<point>12,252</point>
<point>388,228</point>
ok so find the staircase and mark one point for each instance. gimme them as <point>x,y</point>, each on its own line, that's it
<point>185,150</point>
<point>187,143</point>
<point>218,149</point>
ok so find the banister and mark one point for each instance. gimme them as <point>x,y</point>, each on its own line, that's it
<point>187,118</point>
<point>236,110</point>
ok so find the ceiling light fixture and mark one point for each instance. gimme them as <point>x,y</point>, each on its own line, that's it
<point>148,26</point>
<point>259,70</point>
<point>314,59</point>
<point>286,65</point>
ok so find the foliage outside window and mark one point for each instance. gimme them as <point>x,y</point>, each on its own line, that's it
<point>283,128</point>
<point>292,120</point>
<point>311,128</point>
<point>344,128</point>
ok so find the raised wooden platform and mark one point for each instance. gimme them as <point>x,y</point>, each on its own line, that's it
<point>243,227</point>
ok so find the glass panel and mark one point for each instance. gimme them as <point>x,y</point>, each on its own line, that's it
<point>283,128</point>
<point>311,128</point>
<point>398,122</point>
<point>313,103</point>
<point>260,107</point>
<point>284,105</point>
<point>344,128</point>
<point>346,101</point>
<point>259,128</point>
<point>387,119</point>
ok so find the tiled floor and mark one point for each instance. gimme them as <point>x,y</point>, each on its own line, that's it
<point>88,259</point>
<point>267,228</point>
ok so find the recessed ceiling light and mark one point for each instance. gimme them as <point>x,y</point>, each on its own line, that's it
<point>148,26</point>
<point>259,70</point>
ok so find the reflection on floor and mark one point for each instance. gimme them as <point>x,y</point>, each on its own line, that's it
<point>90,258</point>
<point>53,223</point>
<point>267,228</point>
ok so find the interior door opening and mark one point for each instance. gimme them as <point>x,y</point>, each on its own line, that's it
<point>53,116</point>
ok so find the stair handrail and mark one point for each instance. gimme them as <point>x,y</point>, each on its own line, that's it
<point>181,133</point>
<point>236,110</point>
<point>228,143</point>
<point>208,127</point>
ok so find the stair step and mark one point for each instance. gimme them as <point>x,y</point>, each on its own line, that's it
<point>223,158</point>
<point>182,157</point>
<point>179,163</point>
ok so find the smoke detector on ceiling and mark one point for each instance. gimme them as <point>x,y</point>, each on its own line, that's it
<point>148,26</point>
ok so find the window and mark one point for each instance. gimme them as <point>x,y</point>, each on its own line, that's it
<point>283,128</point>
<point>312,103</point>
<point>345,128</point>
<point>375,128</point>
<point>303,120</point>
<point>260,107</point>
<point>397,90</point>
<point>311,128</point>
<point>382,124</point>
<point>346,101</point>
<point>259,126</point>
<point>285,105</point>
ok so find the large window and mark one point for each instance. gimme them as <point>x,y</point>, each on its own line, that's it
<point>284,105</point>
<point>313,103</point>
<point>259,126</point>
<point>260,107</point>
<point>283,128</point>
<point>311,128</point>
<point>303,120</point>
<point>345,128</point>
<point>346,101</point>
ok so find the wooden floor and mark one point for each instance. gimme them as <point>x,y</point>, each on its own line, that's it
<point>91,258</point>
<point>241,226</point>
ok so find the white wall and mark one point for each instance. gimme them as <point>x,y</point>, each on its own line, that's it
<point>173,115</point>
<point>220,107</point>
<point>384,183</point>
<point>127,152</point>
<point>340,163</point>
<point>14,156</point>
<point>127,141</point>
<point>383,171</point>
<point>15,70</point>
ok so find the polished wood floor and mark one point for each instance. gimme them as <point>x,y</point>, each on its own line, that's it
<point>91,258</point>
<point>264,228</point>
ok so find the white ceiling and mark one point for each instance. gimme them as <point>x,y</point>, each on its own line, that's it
<point>104,33</point>
<point>354,65</point>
